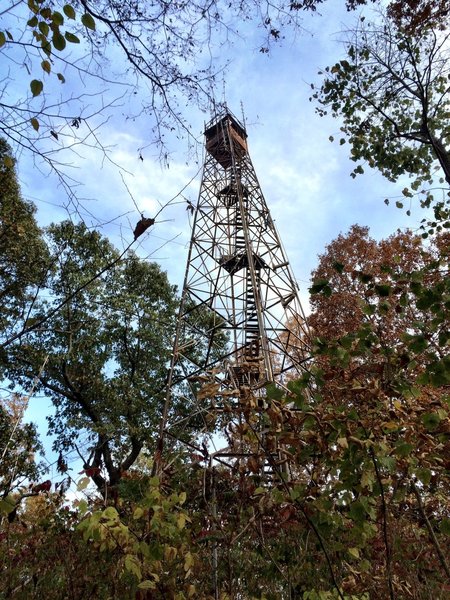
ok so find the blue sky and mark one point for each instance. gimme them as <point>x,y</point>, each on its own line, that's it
<point>305,178</point>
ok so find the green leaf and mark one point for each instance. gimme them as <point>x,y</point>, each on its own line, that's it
<point>354,552</point>
<point>69,11</point>
<point>403,449</point>
<point>383,290</point>
<point>424,475</point>
<point>88,21</point>
<point>44,28</point>
<point>70,37</point>
<point>7,505</point>
<point>33,21</point>
<point>407,193</point>
<point>2,39</point>
<point>418,344</point>
<point>337,266</point>
<point>274,392</point>
<point>318,286</point>
<point>431,420</point>
<point>427,299</point>
<point>369,309</point>
<point>365,277</point>
<point>111,513</point>
<point>34,123</point>
<point>58,41</point>
<point>36,87</point>
<point>445,526</point>
<point>82,507</point>
<point>357,511</point>
<point>181,521</point>
<point>57,18</point>
<point>132,565</point>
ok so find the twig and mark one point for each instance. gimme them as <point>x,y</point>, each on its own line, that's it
<point>385,529</point>
<point>433,537</point>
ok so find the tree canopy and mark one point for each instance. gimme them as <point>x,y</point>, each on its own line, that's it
<point>102,357</point>
<point>23,254</point>
<point>391,95</point>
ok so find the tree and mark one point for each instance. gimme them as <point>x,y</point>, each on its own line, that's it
<point>23,254</point>
<point>413,15</point>
<point>102,355</point>
<point>363,281</point>
<point>18,445</point>
<point>380,317</point>
<point>363,433</point>
<point>391,94</point>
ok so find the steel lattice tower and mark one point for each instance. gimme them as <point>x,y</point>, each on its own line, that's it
<point>240,324</point>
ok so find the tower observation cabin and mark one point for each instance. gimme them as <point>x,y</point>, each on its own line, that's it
<point>226,140</point>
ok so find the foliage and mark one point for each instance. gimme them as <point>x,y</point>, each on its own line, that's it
<point>401,291</point>
<point>23,255</point>
<point>391,95</point>
<point>383,369</point>
<point>97,551</point>
<point>18,445</point>
<point>149,538</point>
<point>105,349</point>
<point>43,556</point>
<point>364,437</point>
<point>413,15</point>
<point>344,492</point>
<point>364,511</point>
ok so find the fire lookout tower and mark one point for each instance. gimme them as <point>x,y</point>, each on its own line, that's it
<point>240,325</point>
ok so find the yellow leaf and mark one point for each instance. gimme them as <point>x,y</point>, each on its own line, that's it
<point>138,513</point>
<point>170,553</point>
<point>83,483</point>
<point>181,521</point>
<point>188,561</point>
<point>391,425</point>
<point>34,123</point>
<point>343,442</point>
<point>147,585</point>
<point>354,552</point>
